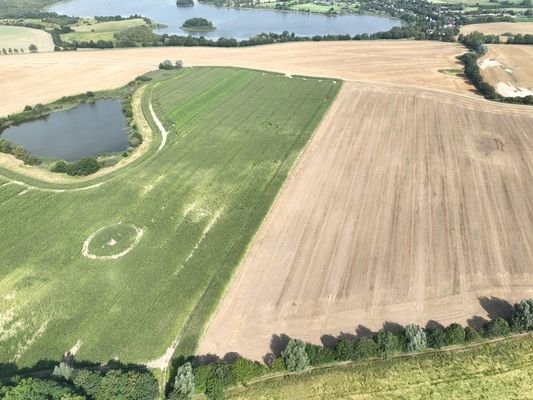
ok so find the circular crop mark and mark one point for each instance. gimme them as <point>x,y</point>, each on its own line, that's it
<point>112,242</point>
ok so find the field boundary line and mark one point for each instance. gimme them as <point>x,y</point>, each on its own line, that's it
<point>349,363</point>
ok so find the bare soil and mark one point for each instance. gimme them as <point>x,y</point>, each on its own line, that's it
<point>407,206</point>
<point>41,78</point>
<point>509,68</point>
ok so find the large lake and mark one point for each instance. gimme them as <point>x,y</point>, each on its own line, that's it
<point>236,23</point>
<point>87,130</point>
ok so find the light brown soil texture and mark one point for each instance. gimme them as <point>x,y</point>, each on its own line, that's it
<point>499,28</point>
<point>41,78</point>
<point>509,68</point>
<point>407,206</point>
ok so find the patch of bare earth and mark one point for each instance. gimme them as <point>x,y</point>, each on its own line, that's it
<point>40,78</point>
<point>509,68</point>
<point>407,206</point>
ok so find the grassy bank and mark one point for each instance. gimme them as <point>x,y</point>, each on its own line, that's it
<point>498,370</point>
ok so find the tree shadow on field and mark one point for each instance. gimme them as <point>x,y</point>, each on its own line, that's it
<point>432,324</point>
<point>278,343</point>
<point>231,357</point>
<point>329,341</point>
<point>496,307</point>
<point>363,331</point>
<point>476,322</point>
<point>392,327</point>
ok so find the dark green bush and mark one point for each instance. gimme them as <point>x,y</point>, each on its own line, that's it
<point>365,347</point>
<point>436,338</point>
<point>454,334</point>
<point>496,327</point>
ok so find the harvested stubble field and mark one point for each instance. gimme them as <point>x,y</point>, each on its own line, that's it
<point>494,371</point>
<point>197,202</point>
<point>46,77</point>
<point>407,206</point>
<point>509,68</point>
<point>499,28</point>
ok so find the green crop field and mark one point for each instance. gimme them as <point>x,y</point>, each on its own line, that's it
<point>184,215</point>
<point>492,371</point>
<point>101,30</point>
<point>17,37</point>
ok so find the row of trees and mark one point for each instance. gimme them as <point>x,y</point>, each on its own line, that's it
<point>212,378</point>
<point>93,382</point>
<point>476,42</point>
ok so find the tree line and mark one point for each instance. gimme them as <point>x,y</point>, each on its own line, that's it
<point>212,376</point>
<point>476,42</point>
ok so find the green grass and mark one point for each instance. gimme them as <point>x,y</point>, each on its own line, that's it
<point>17,37</point>
<point>92,30</point>
<point>338,7</point>
<point>492,371</point>
<point>233,136</point>
<point>452,71</point>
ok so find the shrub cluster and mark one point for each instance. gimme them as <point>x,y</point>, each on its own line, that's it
<point>19,152</point>
<point>68,382</point>
<point>85,166</point>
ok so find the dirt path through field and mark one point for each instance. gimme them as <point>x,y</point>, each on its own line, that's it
<point>407,206</point>
<point>41,78</point>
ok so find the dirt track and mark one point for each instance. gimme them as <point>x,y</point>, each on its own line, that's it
<point>408,206</point>
<point>510,69</point>
<point>34,78</point>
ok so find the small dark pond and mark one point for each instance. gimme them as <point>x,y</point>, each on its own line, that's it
<point>87,130</point>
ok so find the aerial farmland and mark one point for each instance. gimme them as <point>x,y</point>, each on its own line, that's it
<point>230,213</point>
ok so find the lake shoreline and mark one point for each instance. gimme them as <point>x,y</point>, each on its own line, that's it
<point>240,23</point>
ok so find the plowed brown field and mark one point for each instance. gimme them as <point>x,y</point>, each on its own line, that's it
<point>407,206</point>
<point>41,78</point>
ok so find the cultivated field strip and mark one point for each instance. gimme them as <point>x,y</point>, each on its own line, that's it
<point>407,206</point>
<point>41,77</point>
<point>198,202</point>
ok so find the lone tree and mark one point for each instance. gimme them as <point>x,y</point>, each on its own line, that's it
<point>32,48</point>
<point>184,383</point>
<point>166,64</point>
<point>416,338</point>
<point>294,355</point>
<point>522,319</point>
